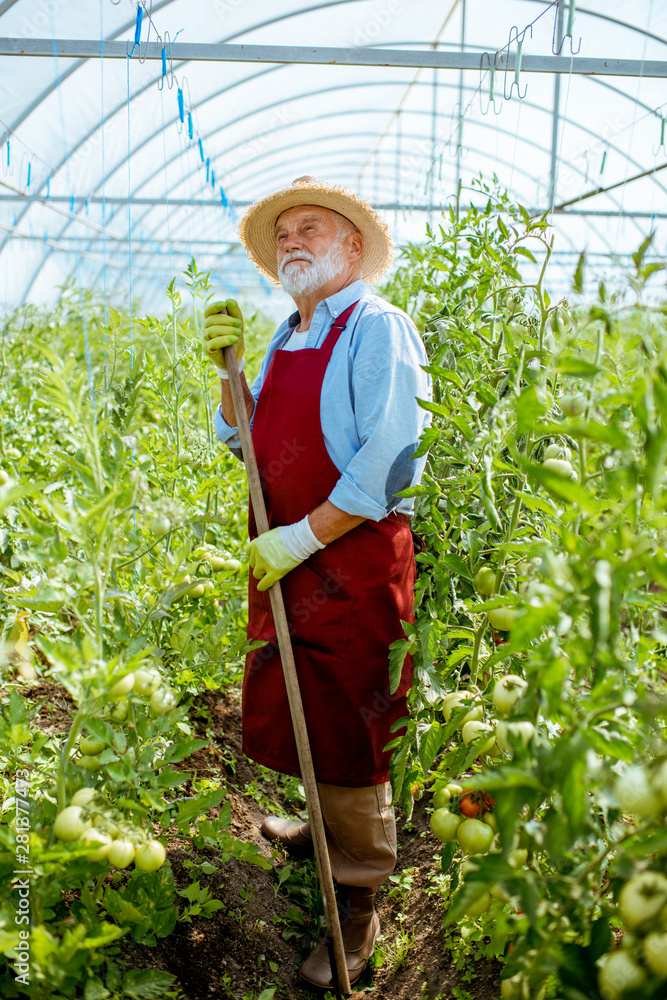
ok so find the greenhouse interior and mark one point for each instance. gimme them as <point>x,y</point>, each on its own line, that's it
<point>333,499</point>
<point>123,158</point>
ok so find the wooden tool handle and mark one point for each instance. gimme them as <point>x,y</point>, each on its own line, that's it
<point>291,682</point>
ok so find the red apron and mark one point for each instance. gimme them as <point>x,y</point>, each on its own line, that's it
<point>344,603</point>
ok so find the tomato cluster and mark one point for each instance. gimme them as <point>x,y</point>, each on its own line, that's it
<point>89,821</point>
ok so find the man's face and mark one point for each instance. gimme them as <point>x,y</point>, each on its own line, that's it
<point>310,249</point>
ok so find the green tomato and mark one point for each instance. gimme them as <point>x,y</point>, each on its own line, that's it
<point>474,837</point>
<point>196,590</point>
<point>485,580</point>
<point>83,796</point>
<point>655,953</point>
<point>641,899</point>
<point>444,825</point>
<point>121,853</point>
<point>619,975</point>
<point>163,700</point>
<point>517,858</point>
<point>92,746</point>
<point>12,452</point>
<point>475,730</point>
<point>218,563</point>
<point>68,824</point>
<point>160,525</point>
<point>490,819</point>
<point>479,905</point>
<point>511,987</point>
<point>503,618</point>
<point>4,478</point>
<point>454,788</point>
<point>441,798</point>
<point>560,466</point>
<point>184,458</point>
<point>122,687</point>
<point>89,763</point>
<point>147,680</point>
<point>151,856</point>
<point>452,701</point>
<point>509,733</point>
<point>99,841</point>
<point>659,782</point>
<point>635,794</point>
<point>551,451</point>
<point>574,405</point>
<point>118,712</point>
<point>507,692</point>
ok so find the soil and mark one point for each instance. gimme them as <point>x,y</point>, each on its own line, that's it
<point>241,950</point>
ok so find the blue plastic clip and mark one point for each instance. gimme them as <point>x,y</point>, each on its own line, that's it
<point>8,152</point>
<point>181,109</point>
<point>208,167</point>
<point>223,198</point>
<point>190,128</point>
<point>213,179</point>
<point>48,187</point>
<point>201,151</point>
<point>86,206</point>
<point>71,203</point>
<point>137,29</point>
<point>29,172</point>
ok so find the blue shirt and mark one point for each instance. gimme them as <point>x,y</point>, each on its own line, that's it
<point>371,421</point>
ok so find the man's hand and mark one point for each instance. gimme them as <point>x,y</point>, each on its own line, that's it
<point>222,331</point>
<point>269,559</point>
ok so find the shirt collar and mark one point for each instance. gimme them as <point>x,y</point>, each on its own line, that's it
<point>337,303</point>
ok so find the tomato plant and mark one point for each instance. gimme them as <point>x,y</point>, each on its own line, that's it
<point>545,462</point>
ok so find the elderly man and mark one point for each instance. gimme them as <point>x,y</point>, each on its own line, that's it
<point>335,423</point>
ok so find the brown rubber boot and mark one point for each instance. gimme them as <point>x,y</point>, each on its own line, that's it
<point>296,837</point>
<point>360,927</point>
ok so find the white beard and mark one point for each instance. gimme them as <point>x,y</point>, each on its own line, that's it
<point>305,278</point>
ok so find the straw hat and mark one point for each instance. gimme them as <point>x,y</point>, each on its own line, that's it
<point>257,228</point>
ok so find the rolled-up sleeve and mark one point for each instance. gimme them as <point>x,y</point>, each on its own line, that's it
<point>386,380</point>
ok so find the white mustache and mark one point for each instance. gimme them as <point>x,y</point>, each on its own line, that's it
<point>297,255</point>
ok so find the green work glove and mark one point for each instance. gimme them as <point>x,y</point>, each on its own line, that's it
<point>269,559</point>
<point>222,331</point>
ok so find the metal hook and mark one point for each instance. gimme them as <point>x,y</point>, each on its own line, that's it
<point>517,62</point>
<point>149,13</point>
<point>661,144</point>
<point>568,32</point>
<point>492,83</point>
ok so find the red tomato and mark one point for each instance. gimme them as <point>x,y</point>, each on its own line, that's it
<point>475,803</point>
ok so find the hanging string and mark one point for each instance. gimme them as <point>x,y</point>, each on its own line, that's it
<point>77,255</point>
<point>104,227</point>
<point>129,253</point>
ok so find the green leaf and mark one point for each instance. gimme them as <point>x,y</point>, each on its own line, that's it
<point>569,365</point>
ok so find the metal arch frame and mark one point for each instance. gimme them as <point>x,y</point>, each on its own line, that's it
<point>299,96</point>
<point>234,121</point>
<point>254,76</point>
<point>518,170</point>
<point>159,5</point>
<point>268,107</point>
<point>145,214</point>
<point>613,20</point>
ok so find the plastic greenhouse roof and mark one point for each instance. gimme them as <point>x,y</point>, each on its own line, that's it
<point>115,173</point>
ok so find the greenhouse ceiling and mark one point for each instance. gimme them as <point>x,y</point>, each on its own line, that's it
<point>134,136</point>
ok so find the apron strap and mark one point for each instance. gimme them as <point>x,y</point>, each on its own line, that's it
<point>337,328</point>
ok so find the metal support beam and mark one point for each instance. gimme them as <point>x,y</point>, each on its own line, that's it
<point>556,113</point>
<point>73,48</point>
<point>390,206</point>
